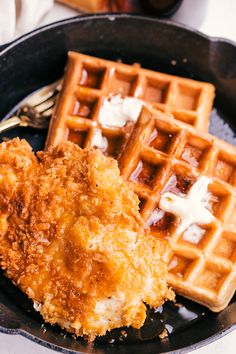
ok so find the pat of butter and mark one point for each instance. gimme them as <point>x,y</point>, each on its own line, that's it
<point>117,111</point>
<point>99,141</point>
<point>192,208</point>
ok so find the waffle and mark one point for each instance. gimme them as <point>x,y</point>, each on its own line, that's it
<point>88,5</point>
<point>166,156</point>
<point>89,81</point>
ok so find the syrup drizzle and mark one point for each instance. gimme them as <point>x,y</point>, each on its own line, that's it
<point>170,317</point>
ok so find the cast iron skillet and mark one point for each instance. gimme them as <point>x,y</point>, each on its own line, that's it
<point>38,59</point>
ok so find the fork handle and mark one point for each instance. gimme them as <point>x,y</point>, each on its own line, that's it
<point>11,123</point>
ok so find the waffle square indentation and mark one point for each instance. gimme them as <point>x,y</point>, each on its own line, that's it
<point>219,199</point>
<point>145,173</point>
<point>197,236</point>
<point>156,90</point>
<point>211,277</point>
<point>161,140</point>
<point>178,184</point>
<point>91,76</point>
<point>114,144</point>
<point>231,219</point>
<point>85,106</point>
<point>180,265</point>
<point>77,137</point>
<point>122,83</point>
<point>226,246</point>
<point>225,168</point>
<point>195,151</point>
<point>161,223</point>
<point>187,97</point>
<point>109,144</point>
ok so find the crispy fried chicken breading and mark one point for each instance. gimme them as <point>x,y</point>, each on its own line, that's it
<point>70,239</point>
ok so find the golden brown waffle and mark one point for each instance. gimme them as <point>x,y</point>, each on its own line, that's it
<point>166,155</point>
<point>88,81</point>
<point>88,5</point>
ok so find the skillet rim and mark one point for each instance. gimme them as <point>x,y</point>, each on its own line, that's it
<point>8,46</point>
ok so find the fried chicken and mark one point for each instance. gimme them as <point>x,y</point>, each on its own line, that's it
<point>72,239</point>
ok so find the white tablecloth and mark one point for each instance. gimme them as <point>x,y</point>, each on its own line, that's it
<point>213,17</point>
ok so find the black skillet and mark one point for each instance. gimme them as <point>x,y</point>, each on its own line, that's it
<point>38,59</point>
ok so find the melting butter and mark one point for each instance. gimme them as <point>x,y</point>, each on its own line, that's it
<point>192,208</point>
<point>117,111</point>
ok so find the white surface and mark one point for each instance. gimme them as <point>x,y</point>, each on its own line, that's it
<point>20,16</point>
<point>213,17</point>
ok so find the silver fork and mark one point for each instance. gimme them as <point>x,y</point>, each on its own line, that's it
<point>35,110</point>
